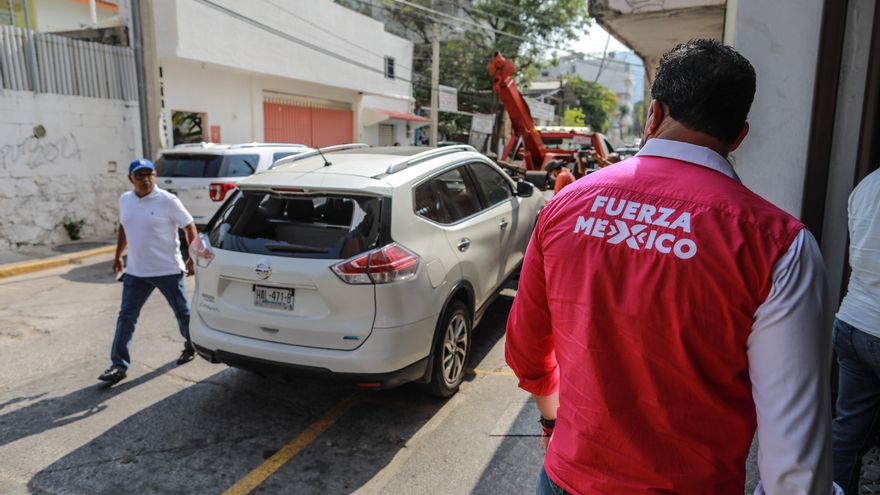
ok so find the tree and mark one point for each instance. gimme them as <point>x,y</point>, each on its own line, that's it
<point>522,30</point>
<point>639,120</point>
<point>574,117</point>
<point>596,101</point>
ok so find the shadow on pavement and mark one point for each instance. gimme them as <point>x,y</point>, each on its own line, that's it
<point>208,436</point>
<point>514,467</point>
<point>98,273</point>
<point>60,411</point>
<point>489,331</point>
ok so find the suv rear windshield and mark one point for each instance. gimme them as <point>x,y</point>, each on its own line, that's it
<point>204,165</point>
<point>321,226</point>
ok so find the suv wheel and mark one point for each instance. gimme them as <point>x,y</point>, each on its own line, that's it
<point>451,351</point>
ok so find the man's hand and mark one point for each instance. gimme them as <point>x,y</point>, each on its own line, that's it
<point>190,269</point>
<point>117,265</point>
<point>546,434</point>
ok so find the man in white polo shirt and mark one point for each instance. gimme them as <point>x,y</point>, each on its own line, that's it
<point>149,219</point>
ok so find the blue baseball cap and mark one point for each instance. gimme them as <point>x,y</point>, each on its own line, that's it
<point>139,164</point>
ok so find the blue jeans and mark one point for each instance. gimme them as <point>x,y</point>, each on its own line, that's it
<point>858,402</point>
<point>135,292</point>
<point>546,486</point>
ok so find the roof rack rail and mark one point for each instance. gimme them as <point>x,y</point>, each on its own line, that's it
<point>427,155</point>
<point>266,145</point>
<point>314,152</point>
<point>203,144</point>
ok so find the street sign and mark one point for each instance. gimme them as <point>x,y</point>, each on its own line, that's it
<point>483,123</point>
<point>448,98</point>
<point>541,111</point>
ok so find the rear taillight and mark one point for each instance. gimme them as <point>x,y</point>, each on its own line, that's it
<point>218,190</point>
<point>392,263</point>
<point>200,251</point>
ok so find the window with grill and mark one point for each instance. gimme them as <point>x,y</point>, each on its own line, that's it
<point>389,67</point>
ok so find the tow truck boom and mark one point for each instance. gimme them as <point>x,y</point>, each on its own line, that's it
<point>501,71</point>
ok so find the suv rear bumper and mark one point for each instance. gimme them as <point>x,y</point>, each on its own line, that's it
<point>412,373</point>
<point>388,354</point>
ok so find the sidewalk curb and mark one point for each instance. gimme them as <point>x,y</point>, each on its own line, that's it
<point>23,267</point>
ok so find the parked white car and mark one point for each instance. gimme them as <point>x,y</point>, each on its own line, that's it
<point>370,264</point>
<point>203,174</point>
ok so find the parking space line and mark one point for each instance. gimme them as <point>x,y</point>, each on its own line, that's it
<point>256,477</point>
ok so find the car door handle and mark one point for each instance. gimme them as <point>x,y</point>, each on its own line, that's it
<point>503,224</point>
<point>464,244</point>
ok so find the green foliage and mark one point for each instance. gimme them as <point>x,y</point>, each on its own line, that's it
<point>574,117</point>
<point>73,226</point>
<point>529,27</point>
<point>597,102</point>
<point>638,117</point>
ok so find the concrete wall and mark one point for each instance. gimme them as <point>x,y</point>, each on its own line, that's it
<point>783,49</point>
<point>69,171</point>
<point>67,15</point>
<point>844,148</point>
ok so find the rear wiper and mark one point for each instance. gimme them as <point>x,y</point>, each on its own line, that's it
<point>294,248</point>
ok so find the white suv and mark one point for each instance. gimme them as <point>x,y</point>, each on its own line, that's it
<point>371,264</point>
<point>203,174</point>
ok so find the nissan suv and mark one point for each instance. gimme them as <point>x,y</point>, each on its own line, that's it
<point>370,264</point>
<point>203,174</point>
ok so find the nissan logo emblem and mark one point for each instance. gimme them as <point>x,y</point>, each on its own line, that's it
<point>264,271</point>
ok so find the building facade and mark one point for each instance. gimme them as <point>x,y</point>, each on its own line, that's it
<point>318,76</point>
<point>621,72</point>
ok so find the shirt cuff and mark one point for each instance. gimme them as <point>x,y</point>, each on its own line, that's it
<point>542,386</point>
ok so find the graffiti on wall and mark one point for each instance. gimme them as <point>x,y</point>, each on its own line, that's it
<point>34,152</point>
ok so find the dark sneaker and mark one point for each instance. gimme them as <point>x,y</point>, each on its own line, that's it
<point>112,374</point>
<point>186,356</point>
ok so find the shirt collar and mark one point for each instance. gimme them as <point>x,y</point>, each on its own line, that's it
<point>687,152</point>
<point>153,193</point>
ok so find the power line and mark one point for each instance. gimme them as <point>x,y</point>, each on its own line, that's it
<point>331,33</point>
<point>485,28</point>
<point>294,39</point>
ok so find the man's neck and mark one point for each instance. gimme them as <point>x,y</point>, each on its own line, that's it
<point>144,195</point>
<point>677,132</point>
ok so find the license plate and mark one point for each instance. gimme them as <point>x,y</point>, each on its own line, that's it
<point>273,297</point>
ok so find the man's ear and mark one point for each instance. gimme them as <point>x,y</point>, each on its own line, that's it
<point>658,113</point>
<point>131,179</point>
<point>742,135</point>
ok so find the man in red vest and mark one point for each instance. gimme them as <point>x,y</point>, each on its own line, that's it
<point>665,312</point>
<point>560,174</point>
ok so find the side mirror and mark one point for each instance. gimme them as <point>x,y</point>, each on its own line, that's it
<point>524,189</point>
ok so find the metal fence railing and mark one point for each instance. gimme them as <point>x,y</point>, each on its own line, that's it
<point>48,63</point>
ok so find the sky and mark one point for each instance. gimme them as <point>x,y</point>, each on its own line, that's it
<point>594,41</point>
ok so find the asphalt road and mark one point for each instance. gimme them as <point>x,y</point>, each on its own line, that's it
<point>205,428</point>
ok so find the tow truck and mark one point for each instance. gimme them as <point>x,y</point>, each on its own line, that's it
<point>531,148</point>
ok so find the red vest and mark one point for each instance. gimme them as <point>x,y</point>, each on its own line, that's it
<point>654,270</point>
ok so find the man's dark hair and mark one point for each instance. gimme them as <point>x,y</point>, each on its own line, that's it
<point>708,87</point>
<point>552,165</point>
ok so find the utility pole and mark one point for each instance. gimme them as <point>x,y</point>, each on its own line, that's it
<point>31,55</point>
<point>147,68</point>
<point>435,85</point>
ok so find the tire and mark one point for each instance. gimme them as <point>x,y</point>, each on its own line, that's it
<point>451,350</point>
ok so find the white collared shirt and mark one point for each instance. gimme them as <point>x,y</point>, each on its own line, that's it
<point>861,306</point>
<point>789,352</point>
<point>151,225</point>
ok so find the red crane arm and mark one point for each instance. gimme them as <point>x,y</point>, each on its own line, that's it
<point>501,71</point>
